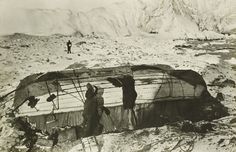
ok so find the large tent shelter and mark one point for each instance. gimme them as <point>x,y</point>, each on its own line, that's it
<point>163,94</point>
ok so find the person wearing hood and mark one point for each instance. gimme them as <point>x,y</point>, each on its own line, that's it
<point>90,113</point>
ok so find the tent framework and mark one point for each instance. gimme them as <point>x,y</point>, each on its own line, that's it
<point>154,84</point>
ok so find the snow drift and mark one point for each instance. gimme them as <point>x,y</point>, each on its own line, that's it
<point>175,18</point>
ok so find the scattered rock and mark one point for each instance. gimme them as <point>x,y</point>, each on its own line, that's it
<point>200,127</point>
<point>220,141</point>
<point>145,148</point>
<point>153,32</point>
<point>157,131</point>
<point>187,126</point>
<point>52,62</point>
<point>47,60</point>
<point>80,43</point>
<point>24,45</point>
<point>206,127</point>
<point>68,58</point>
<point>144,133</point>
<point>219,97</point>
<point>217,80</point>
<point>183,46</point>
<point>5,47</point>
<point>92,43</point>
<point>232,140</point>
<point>228,82</point>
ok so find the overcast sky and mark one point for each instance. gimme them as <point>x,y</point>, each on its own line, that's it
<point>75,5</point>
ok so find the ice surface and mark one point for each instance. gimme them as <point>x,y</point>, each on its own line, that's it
<point>169,18</point>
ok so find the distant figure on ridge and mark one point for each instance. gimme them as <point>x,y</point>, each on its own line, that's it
<point>69,44</point>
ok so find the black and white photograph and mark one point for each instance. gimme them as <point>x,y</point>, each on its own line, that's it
<point>117,75</point>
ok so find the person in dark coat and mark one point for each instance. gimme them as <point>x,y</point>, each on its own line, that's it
<point>100,109</point>
<point>129,93</point>
<point>69,45</point>
<point>129,97</point>
<point>128,88</point>
<point>90,113</point>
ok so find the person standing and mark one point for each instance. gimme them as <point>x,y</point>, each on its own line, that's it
<point>90,113</point>
<point>127,83</point>
<point>69,45</point>
<point>100,109</point>
<point>129,98</point>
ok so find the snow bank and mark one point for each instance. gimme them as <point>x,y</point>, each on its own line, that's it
<point>175,18</point>
<point>232,61</point>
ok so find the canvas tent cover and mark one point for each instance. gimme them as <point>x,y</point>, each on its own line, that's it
<point>157,83</point>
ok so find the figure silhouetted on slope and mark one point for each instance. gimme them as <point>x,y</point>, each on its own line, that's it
<point>69,45</point>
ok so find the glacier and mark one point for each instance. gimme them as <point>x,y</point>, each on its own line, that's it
<point>171,18</point>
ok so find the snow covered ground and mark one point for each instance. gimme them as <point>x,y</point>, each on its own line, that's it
<point>131,32</point>
<point>22,55</point>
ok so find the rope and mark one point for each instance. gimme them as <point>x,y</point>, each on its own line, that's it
<point>57,95</point>
<point>69,93</point>
<point>177,145</point>
<point>36,109</point>
<point>77,91</point>
<point>79,84</point>
<point>54,105</point>
<point>160,86</point>
<point>81,90</point>
<point>189,143</point>
<point>48,88</point>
